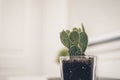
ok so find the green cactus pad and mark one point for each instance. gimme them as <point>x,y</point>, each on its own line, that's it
<point>74,51</point>
<point>65,39</point>
<point>83,41</point>
<point>74,37</point>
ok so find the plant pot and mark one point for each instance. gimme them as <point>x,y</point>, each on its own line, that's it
<point>78,67</point>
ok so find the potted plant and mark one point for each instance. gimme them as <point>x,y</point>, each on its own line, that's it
<point>76,66</point>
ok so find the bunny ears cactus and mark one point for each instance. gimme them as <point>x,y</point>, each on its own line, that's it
<point>76,41</point>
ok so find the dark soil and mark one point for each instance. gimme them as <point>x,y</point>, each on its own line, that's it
<point>78,69</point>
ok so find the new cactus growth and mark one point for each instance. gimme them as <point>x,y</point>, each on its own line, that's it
<point>76,41</point>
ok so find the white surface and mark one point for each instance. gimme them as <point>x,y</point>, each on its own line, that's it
<point>29,36</point>
<point>27,78</point>
<point>98,16</point>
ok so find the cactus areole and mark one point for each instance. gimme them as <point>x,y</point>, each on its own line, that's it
<point>76,41</point>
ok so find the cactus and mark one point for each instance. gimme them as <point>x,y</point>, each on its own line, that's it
<point>76,41</point>
<point>65,39</point>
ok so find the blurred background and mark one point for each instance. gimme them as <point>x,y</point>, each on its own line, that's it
<point>29,35</point>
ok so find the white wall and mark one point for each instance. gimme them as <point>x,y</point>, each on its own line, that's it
<point>11,37</point>
<point>20,37</point>
<point>29,31</point>
<point>55,20</point>
<point>100,17</point>
<point>33,23</point>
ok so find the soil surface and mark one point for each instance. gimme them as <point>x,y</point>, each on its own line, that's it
<point>78,69</point>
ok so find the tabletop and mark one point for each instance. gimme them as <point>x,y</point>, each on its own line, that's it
<point>96,79</point>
